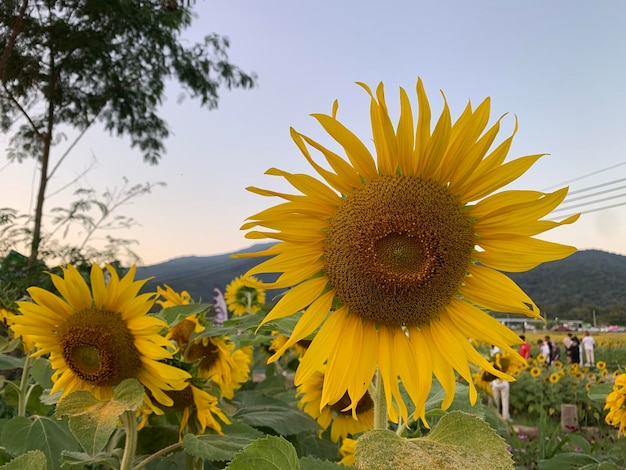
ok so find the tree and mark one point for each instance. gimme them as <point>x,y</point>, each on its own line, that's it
<point>77,62</point>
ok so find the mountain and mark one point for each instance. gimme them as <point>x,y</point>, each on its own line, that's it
<point>573,287</point>
<point>198,275</point>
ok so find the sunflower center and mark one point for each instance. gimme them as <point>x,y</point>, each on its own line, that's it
<point>205,350</point>
<point>98,347</point>
<point>364,404</point>
<point>182,398</point>
<point>398,250</point>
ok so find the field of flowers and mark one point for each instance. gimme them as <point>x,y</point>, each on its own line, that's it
<point>536,436</point>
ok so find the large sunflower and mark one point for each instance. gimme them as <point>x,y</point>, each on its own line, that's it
<point>97,338</point>
<point>393,257</point>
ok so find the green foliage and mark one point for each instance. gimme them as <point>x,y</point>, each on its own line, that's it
<point>93,421</point>
<point>32,460</point>
<point>21,434</point>
<point>272,414</point>
<point>270,453</point>
<point>458,441</point>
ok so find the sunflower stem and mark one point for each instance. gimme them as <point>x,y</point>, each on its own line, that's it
<point>156,455</point>
<point>130,446</point>
<point>23,393</point>
<point>380,404</point>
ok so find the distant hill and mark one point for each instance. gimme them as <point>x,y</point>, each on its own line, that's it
<point>573,287</point>
<point>198,275</point>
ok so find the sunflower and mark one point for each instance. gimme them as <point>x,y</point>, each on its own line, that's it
<point>347,450</point>
<point>392,257</point>
<point>342,421</point>
<point>535,372</point>
<point>220,362</point>
<point>242,298</point>
<point>541,359</point>
<point>97,338</point>
<point>194,401</point>
<point>601,365</point>
<point>171,297</point>
<point>279,340</point>
<point>616,404</point>
<point>216,356</point>
<point>554,377</point>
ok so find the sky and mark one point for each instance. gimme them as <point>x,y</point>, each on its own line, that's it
<point>559,66</point>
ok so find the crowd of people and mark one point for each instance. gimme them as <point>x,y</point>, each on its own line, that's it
<point>572,345</point>
<point>551,352</point>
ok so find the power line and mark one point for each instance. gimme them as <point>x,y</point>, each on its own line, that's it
<point>587,175</point>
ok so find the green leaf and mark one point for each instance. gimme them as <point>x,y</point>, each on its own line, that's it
<point>80,459</point>
<point>458,441</point>
<point>6,345</point>
<point>460,401</point>
<point>21,434</point>
<point>93,421</point>
<point>566,461</point>
<point>173,315</point>
<point>309,463</point>
<point>32,460</point>
<point>270,453</point>
<point>598,392</point>
<point>8,362</point>
<point>220,448</point>
<point>267,412</point>
<point>284,326</point>
<point>41,371</point>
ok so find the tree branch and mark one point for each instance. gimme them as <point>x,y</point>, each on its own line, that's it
<point>39,135</point>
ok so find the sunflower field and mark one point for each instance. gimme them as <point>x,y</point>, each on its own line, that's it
<point>389,262</point>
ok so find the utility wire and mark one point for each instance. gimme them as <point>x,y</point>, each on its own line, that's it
<point>593,173</point>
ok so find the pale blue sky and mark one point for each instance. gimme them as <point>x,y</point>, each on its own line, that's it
<point>559,66</point>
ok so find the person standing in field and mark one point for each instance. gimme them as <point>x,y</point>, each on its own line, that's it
<point>588,346</point>
<point>567,342</point>
<point>524,348</point>
<point>574,350</point>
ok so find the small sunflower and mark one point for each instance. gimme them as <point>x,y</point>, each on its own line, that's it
<point>541,358</point>
<point>601,365</point>
<point>221,363</point>
<point>243,298</point>
<point>392,255</point>
<point>199,404</point>
<point>616,373</point>
<point>555,377</point>
<point>217,357</point>
<point>171,297</point>
<point>338,416</point>
<point>574,367</point>
<point>279,340</point>
<point>97,338</point>
<point>604,373</point>
<point>347,450</point>
<point>616,404</point>
<point>535,372</point>
<point>557,364</point>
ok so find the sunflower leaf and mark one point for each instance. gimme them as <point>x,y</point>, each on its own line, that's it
<point>268,412</point>
<point>80,459</point>
<point>93,421</point>
<point>33,460</point>
<point>310,463</point>
<point>458,441</point>
<point>8,362</point>
<point>174,314</point>
<point>270,453</point>
<point>21,434</point>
